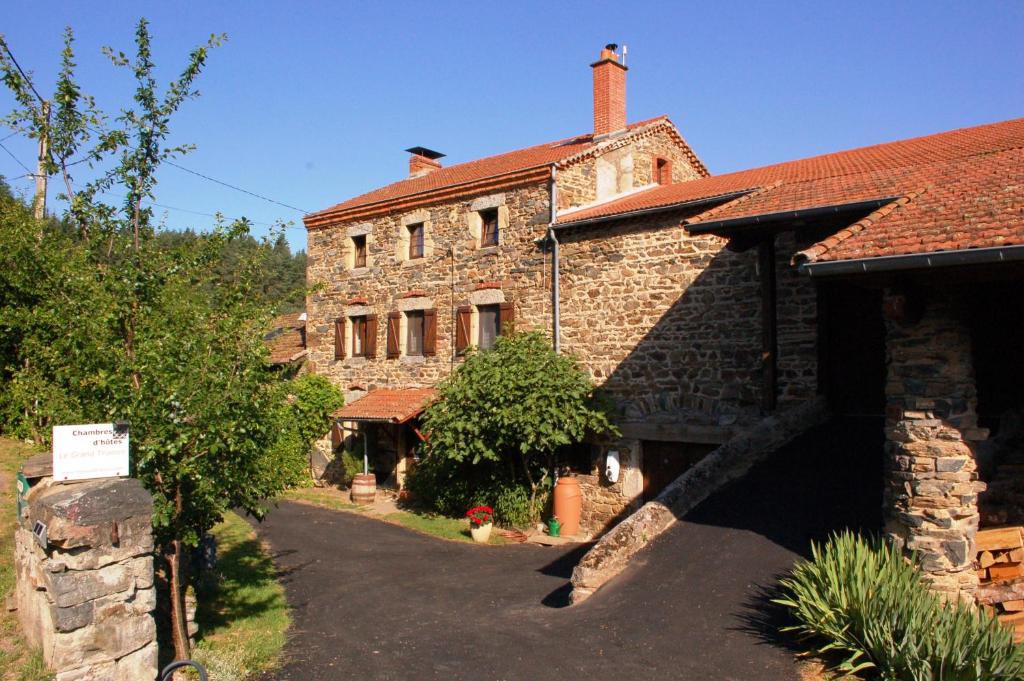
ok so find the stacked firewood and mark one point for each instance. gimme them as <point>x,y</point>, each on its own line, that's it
<point>1001,573</point>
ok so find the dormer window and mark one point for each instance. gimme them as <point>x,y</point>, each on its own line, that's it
<point>416,241</point>
<point>489,227</point>
<point>359,250</point>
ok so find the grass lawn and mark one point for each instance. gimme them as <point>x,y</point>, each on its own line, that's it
<point>453,529</point>
<point>17,661</point>
<point>438,526</point>
<point>319,496</point>
<point>242,623</point>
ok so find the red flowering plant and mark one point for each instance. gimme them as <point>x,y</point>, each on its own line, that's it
<point>479,515</point>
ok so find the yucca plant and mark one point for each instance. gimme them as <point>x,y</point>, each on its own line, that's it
<point>861,600</point>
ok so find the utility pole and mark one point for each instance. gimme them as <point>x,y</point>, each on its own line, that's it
<point>41,166</point>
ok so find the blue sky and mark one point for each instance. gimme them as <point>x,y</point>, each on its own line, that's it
<point>312,103</point>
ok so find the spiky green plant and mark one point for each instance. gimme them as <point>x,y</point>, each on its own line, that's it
<point>861,600</point>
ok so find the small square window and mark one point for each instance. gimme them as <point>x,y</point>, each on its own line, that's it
<point>359,336</point>
<point>416,241</point>
<point>662,170</point>
<point>489,325</point>
<point>489,227</point>
<point>414,333</point>
<point>359,250</point>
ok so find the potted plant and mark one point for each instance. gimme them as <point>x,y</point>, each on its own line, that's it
<point>480,523</point>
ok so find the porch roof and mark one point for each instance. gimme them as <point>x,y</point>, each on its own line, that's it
<point>387,405</point>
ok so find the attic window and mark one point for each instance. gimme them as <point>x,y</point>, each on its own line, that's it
<point>359,250</point>
<point>489,227</point>
<point>662,170</point>
<point>416,241</point>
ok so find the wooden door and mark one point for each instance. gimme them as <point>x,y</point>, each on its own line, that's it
<point>663,462</point>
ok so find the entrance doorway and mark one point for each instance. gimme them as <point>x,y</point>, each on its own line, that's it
<point>852,348</point>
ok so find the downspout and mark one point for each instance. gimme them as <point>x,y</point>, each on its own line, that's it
<point>556,322</point>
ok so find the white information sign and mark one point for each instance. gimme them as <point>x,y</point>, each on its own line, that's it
<point>92,450</point>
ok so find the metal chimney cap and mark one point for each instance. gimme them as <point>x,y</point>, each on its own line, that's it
<point>426,153</point>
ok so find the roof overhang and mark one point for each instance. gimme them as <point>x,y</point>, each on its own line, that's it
<point>731,226</point>
<point>387,405</point>
<point>914,261</point>
<point>683,205</point>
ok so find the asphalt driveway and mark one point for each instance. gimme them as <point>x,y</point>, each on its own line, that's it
<point>376,601</point>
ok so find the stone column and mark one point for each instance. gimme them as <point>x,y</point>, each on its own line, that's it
<point>85,589</point>
<point>932,486</point>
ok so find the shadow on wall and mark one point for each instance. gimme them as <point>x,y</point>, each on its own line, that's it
<point>678,320</point>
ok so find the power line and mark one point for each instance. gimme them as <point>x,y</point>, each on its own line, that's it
<point>27,170</point>
<point>238,189</point>
<point>9,136</point>
<point>24,75</point>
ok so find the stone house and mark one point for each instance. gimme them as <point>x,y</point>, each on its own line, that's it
<point>883,278</point>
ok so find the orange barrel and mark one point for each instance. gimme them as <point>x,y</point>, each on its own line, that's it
<point>364,488</point>
<point>568,505</point>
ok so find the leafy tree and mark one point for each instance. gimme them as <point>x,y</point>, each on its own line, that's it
<point>511,408</point>
<point>283,280</point>
<point>102,320</point>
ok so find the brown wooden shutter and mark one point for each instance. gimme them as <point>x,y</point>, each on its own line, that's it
<point>370,346</point>
<point>339,338</point>
<point>429,333</point>
<point>507,318</point>
<point>394,328</point>
<point>463,323</point>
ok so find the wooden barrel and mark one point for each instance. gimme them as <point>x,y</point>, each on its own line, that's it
<point>568,505</point>
<point>364,488</point>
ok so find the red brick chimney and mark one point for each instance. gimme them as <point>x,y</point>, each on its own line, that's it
<point>609,92</point>
<point>423,161</point>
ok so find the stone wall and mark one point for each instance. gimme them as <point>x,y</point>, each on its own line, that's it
<point>87,597</point>
<point>630,159</point>
<point>664,322</point>
<point>453,270</point>
<point>932,486</point>
<point>797,312</point>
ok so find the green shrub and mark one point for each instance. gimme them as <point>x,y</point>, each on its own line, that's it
<point>504,413</point>
<point>351,465</point>
<point>862,600</point>
<point>451,488</point>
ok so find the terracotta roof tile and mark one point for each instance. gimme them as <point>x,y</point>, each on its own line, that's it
<point>976,177</point>
<point>286,338</point>
<point>387,404</point>
<point>511,162</point>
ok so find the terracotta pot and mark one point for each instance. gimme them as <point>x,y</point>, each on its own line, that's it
<point>481,533</point>
<point>568,505</point>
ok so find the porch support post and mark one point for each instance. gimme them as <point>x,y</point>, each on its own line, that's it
<point>932,486</point>
<point>769,323</point>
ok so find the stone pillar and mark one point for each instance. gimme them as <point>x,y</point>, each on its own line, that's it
<point>85,592</point>
<point>932,486</point>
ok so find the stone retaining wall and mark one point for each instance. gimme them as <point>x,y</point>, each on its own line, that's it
<point>612,553</point>
<point>86,597</point>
